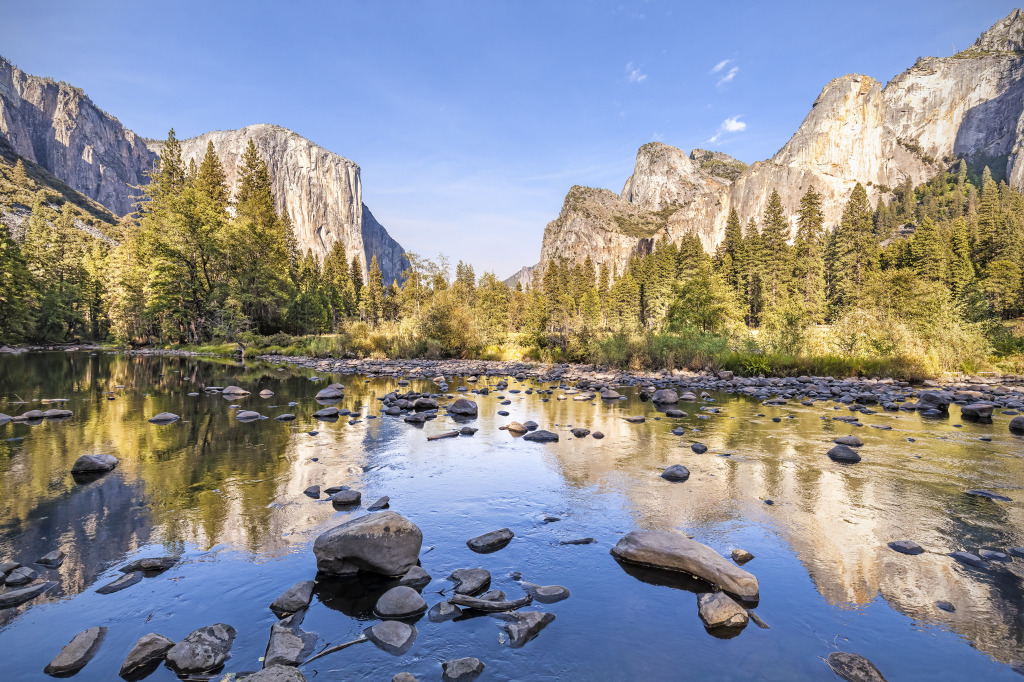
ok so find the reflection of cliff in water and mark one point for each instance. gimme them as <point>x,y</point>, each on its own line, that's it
<point>96,525</point>
<point>837,519</point>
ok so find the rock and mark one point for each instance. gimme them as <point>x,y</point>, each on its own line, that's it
<point>79,651</point>
<point>288,645</point>
<point>523,626</point>
<point>423,404</point>
<point>665,397</point>
<point>404,677</point>
<point>346,498</point>
<point>442,611</point>
<point>12,598</point>
<point>717,609</point>
<point>392,636</point>
<point>266,393</point>
<point>385,543</point>
<point>461,670</point>
<point>164,418</point>
<point>21,576</point>
<point>489,605</point>
<point>248,416</point>
<point>6,567</point>
<point>597,434</point>
<point>516,427</point>
<point>490,542</point>
<point>977,411</point>
<point>287,417</point>
<point>989,495</point>
<point>725,375</point>
<point>52,560</point>
<point>4,418</point>
<point>295,598</point>
<point>676,473</point>
<point>31,415</point>
<point>312,491</point>
<point>463,408</point>
<point>277,673</point>
<point>467,431</point>
<point>578,541</point>
<point>124,582</point>
<point>416,578</point>
<point>945,606</point>
<point>1016,551</point>
<point>741,556</point>
<point>699,448</point>
<point>326,413</point>
<point>609,394</point>
<point>934,400</point>
<point>203,650</point>
<point>332,392</point>
<point>146,653</point>
<point>853,668</point>
<point>546,594</point>
<point>675,414</point>
<point>493,595</point>
<point>636,419</point>
<point>454,433</point>
<point>400,602</point>
<point>94,464</point>
<point>381,503</point>
<point>154,564</point>
<point>990,555</point>
<point>906,547</point>
<point>844,454</point>
<point>470,580</point>
<point>580,432</point>
<point>234,390</point>
<point>676,552</point>
<point>968,559</point>
<point>849,441</point>
<point>541,437</point>
<point>1017,425</point>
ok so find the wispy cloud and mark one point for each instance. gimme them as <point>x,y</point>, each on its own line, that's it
<point>727,78</point>
<point>720,65</point>
<point>635,75</point>
<point>733,124</point>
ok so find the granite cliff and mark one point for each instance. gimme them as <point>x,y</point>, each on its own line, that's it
<point>58,127</point>
<point>970,105</point>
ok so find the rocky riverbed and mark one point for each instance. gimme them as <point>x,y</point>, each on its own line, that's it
<point>301,518</point>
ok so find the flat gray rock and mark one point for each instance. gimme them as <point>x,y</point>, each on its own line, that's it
<point>151,564</point>
<point>676,552</point>
<point>93,464</point>
<point>461,669</point>
<point>21,576</point>
<point>146,653</point>
<point>490,606</point>
<point>490,542</point>
<point>442,611</point>
<point>523,626</point>
<point>277,673</point>
<point>404,677</point>
<point>400,602</point>
<point>295,598</point>
<point>385,542</point>
<point>546,594</point>
<point>164,418</point>
<point>202,650</point>
<point>288,645</point>
<point>416,578</point>
<point>392,636</point>
<point>849,441</point>
<point>906,547</point>
<point>854,668</point>
<point>346,498</point>
<point>382,503</point>
<point>248,416</point>
<point>124,582</point>
<point>541,437</point>
<point>76,653</point>
<point>12,598</point>
<point>52,560</point>
<point>717,609</point>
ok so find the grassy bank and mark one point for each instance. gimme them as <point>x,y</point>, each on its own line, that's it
<point>629,351</point>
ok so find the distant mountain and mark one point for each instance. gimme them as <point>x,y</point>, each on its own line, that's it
<point>57,126</point>
<point>970,106</point>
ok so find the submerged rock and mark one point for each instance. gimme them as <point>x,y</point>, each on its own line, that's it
<point>124,582</point>
<point>146,654</point>
<point>854,668</point>
<point>202,650</point>
<point>676,552</point>
<point>77,653</point>
<point>385,543</point>
<point>490,605</point>
<point>392,636</point>
<point>546,594</point>
<point>400,602</point>
<point>490,542</point>
<point>968,559</point>
<point>523,626</point>
<point>717,609</point>
<point>12,598</point>
<point>442,611</point>
<point>470,580</point>
<point>906,547</point>
<point>461,670</point>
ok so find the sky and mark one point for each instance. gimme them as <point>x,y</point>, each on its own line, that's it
<point>471,119</point>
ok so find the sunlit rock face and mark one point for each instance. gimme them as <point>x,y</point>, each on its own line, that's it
<point>970,105</point>
<point>58,126</point>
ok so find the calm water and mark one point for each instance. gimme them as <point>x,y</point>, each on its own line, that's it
<point>229,497</point>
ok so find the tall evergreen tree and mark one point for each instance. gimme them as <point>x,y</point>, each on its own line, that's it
<point>809,255</point>
<point>775,250</point>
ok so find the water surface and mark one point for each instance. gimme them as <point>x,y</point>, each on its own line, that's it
<point>228,497</point>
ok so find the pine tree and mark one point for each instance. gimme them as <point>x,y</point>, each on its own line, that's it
<point>372,301</point>
<point>775,249</point>
<point>211,180</point>
<point>928,252</point>
<point>356,275</point>
<point>20,177</point>
<point>856,249</point>
<point>961,269</point>
<point>730,255</point>
<point>809,255</point>
<point>753,299</point>
<point>986,234</point>
<point>16,318</point>
<point>167,178</point>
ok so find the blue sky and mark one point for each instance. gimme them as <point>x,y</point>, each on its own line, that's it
<point>471,120</point>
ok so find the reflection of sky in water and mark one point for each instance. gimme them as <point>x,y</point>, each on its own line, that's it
<point>230,495</point>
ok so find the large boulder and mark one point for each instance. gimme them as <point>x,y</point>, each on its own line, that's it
<point>665,396</point>
<point>385,542</point>
<point>202,650</point>
<point>676,552</point>
<point>463,408</point>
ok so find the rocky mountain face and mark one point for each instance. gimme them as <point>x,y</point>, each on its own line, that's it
<point>970,105</point>
<point>319,190</point>
<point>58,127</point>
